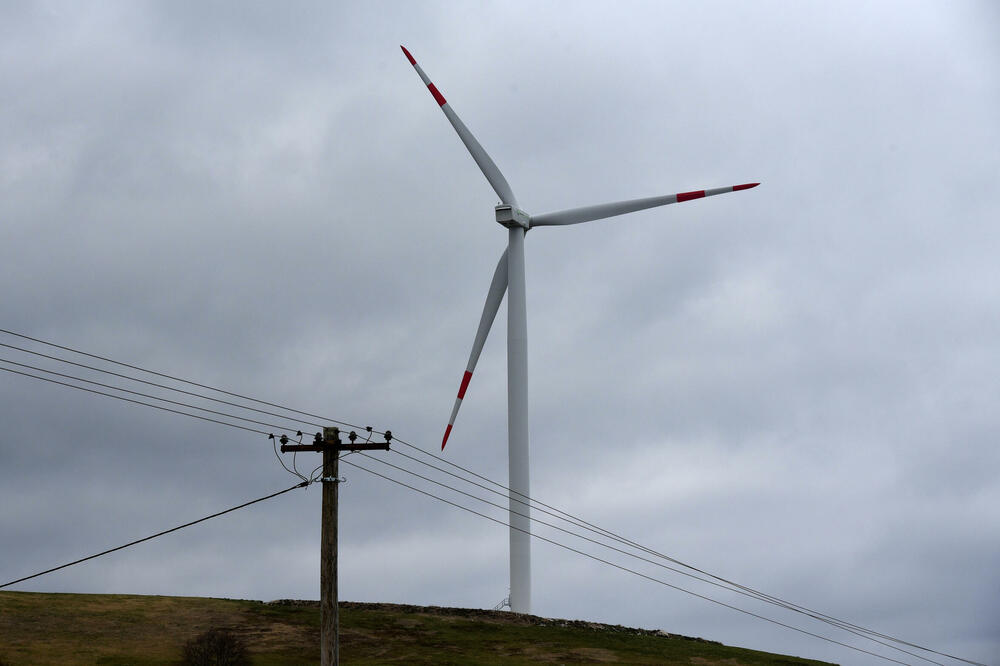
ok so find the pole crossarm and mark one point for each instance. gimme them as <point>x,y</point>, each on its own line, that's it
<point>335,447</point>
<point>329,440</point>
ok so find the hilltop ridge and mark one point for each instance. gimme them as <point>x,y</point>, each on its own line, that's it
<point>132,629</point>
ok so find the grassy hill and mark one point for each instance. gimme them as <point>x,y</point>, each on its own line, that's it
<point>120,629</point>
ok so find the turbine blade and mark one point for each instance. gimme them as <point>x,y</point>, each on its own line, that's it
<point>493,297</point>
<point>486,164</point>
<point>600,211</point>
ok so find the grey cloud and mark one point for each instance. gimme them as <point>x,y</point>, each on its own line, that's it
<point>792,386</point>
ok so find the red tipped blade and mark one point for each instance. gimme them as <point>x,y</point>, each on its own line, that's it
<point>458,403</point>
<point>601,211</point>
<point>479,154</point>
<point>498,287</point>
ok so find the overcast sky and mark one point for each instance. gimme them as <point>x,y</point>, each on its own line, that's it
<point>794,387</point>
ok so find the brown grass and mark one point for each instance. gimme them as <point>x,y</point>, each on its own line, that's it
<point>128,629</point>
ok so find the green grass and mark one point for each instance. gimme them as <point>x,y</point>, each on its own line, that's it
<point>109,629</point>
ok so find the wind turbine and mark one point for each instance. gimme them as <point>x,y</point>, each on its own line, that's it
<point>509,277</point>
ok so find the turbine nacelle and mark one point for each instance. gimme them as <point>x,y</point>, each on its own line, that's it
<point>512,216</point>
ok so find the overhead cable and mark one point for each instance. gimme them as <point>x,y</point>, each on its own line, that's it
<point>580,522</point>
<point>153,536</point>
<point>137,402</point>
<point>626,569</point>
<point>152,397</point>
<point>176,379</point>
<point>548,509</point>
<point>149,383</point>
<point>861,633</point>
<point>722,582</point>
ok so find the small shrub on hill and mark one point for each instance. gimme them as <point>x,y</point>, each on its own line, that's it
<point>216,647</point>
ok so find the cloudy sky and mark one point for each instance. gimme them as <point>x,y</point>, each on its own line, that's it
<point>794,387</point>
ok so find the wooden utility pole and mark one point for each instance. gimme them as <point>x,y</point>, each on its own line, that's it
<point>329,610</point>
<point>330,445</point>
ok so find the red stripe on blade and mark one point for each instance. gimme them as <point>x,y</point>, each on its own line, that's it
<point>437,95</point>
<point>465,384</point>
<point>447,431</point>
<point>687,196</point>
<point>737,188</point>
<point>409,57</point>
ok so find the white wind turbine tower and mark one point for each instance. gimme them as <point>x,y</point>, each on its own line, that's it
<point>509,277</point>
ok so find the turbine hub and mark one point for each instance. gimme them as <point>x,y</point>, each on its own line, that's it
<point>509,216</point>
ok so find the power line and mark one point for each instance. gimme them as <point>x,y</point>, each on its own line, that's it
<point>579,522</point>
<point>626,569</point>
<point>149,383</point>
<point>861,633</point>
<point>153,536</point>
<point>147,395</point>
<point>851,628</point>
<point>762,596</point>
<point>574,520</point>
<point>178,379</point>
<point>137,402</point>
<point>722,582</point>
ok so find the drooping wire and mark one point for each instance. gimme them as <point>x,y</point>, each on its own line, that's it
<point>137,402</point>
<point>628,570</point>
<point>579,522</point>
<point>147,382</point>
<point>565,516</point>
<point>296,453</point>
<point>860,634</point>
<point>722,582</point>
<point>317,472</point>
<point>147,395</point>
<point>324,419</point>
<point>176,379</point>
<point>153,536</point>
<point>274,445</point>
<point>542,507</point>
